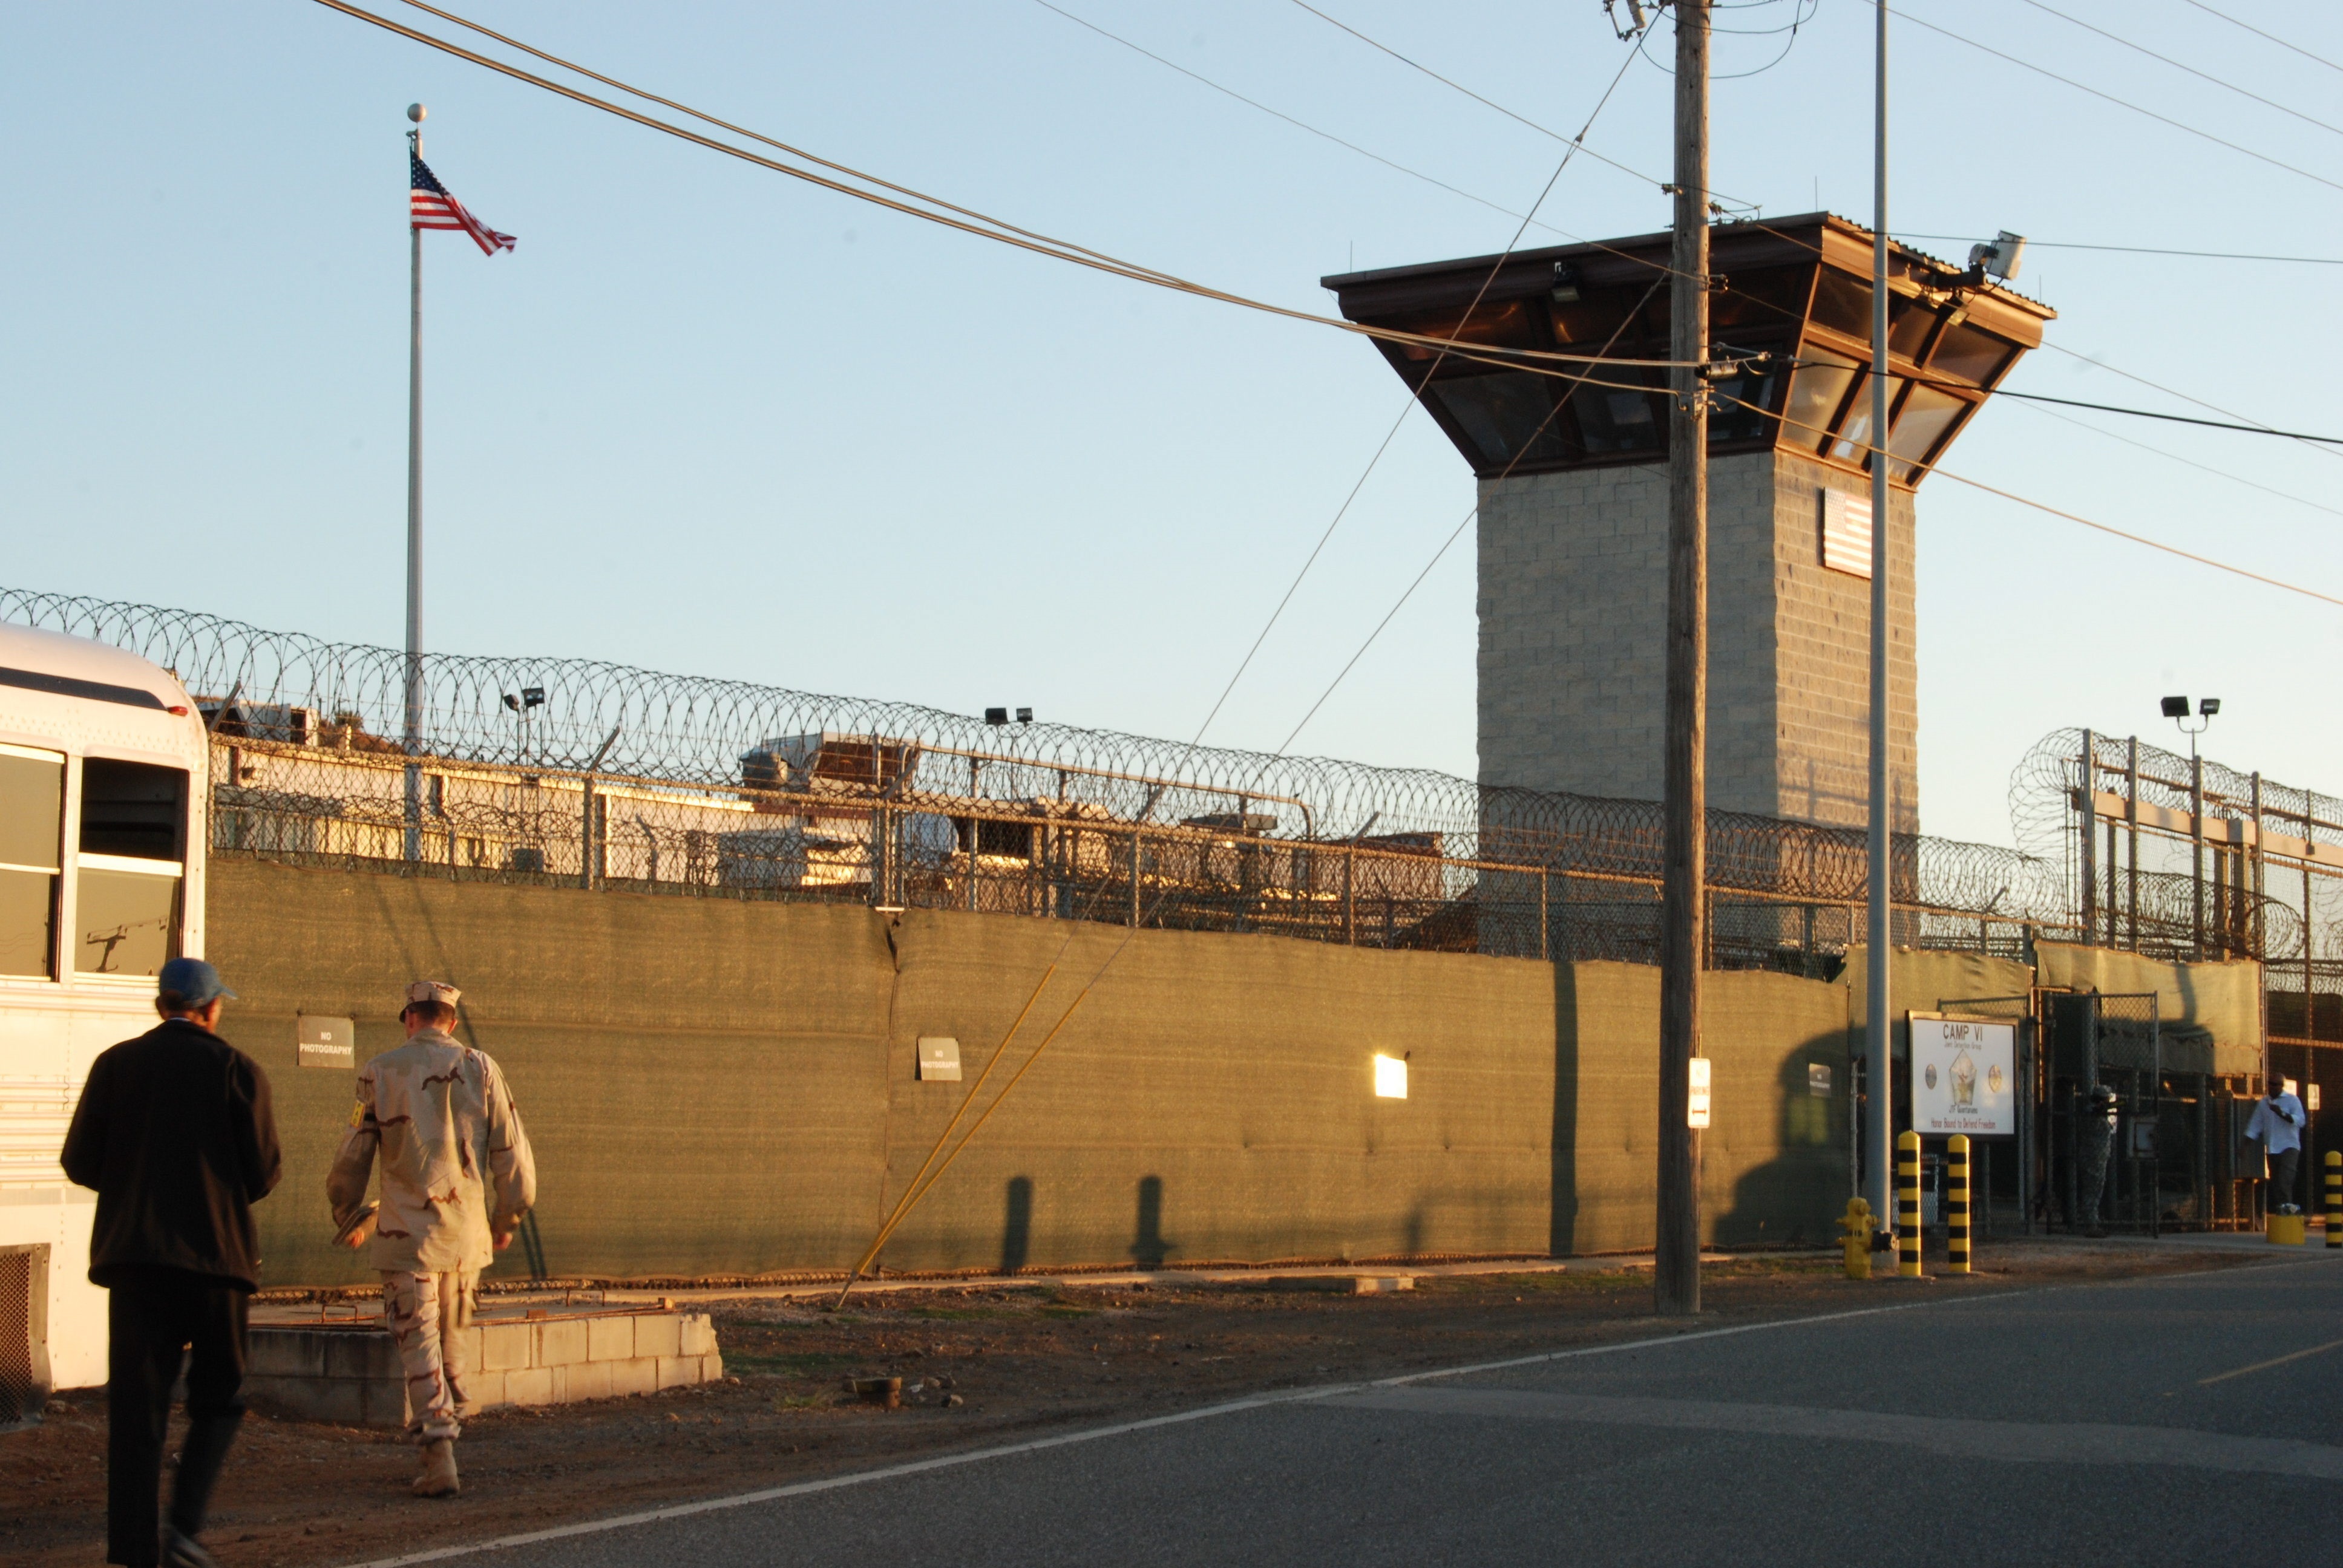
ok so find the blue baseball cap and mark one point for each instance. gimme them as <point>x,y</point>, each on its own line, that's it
<point>194,982</point>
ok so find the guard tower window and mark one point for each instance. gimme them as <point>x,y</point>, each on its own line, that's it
<point>1612,420</point>
<point>32,833</point>
<point>1816,390</point>
<point>1971,354</point>
<point>1928,415</point>
<point>1507,416</point>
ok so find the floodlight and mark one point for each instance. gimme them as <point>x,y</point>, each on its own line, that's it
<point>532,696</point>
<point>996,715</point>
<point>1565,284</point>
<point>2176,708</point>
<point>1024,716</point>
<point>2209,706</point>
<point>512,702</point>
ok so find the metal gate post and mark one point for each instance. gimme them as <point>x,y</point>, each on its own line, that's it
<point>1546,900</point>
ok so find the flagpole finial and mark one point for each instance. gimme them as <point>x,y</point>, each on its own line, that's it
<point>416,112</point>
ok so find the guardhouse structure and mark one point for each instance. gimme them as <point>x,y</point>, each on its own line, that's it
<point>1573,496</point>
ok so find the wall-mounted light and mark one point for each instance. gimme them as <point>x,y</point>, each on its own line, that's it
<point>1391,1078</point>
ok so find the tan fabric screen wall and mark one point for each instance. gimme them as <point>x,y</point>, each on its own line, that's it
<point>725,1087</point>
<point>2223,998</point>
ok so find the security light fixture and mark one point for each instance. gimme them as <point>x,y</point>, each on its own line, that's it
<point>514,703</point>
<point>1565,284</point>
<point>996,715</point>
<point>2175,708</point>
<point>1024,716</point>
<point>532,696</point>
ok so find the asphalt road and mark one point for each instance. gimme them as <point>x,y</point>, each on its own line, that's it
<point>2134,1422</point>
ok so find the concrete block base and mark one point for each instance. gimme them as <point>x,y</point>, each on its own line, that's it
<point>347,1369</point>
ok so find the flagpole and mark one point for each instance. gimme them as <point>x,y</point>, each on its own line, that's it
<point>413,734</point>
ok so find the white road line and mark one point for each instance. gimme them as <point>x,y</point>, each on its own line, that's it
<point>1205,1412</point>
<point>2004,1442</point>
<point>1096,1434</point>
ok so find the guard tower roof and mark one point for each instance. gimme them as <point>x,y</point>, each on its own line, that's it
<point>1795,291</point>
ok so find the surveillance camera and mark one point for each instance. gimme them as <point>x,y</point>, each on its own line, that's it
<point>1999,258</point>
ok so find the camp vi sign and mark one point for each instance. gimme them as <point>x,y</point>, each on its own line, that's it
<point>1964,1076</point>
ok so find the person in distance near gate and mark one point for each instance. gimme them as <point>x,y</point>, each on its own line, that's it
<point>457,1178</point>
<point>2278,1121</point>
<point>175,1133</point>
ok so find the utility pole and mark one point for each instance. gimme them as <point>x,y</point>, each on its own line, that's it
<point>1879,1056</point>
<point>1676,1275</point>
<point>411,735</point>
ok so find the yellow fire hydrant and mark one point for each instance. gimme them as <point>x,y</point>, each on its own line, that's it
<point>1856,1223</point>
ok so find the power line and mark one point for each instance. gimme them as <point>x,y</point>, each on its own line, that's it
<point>1280,115</point>
<point>950,216</point>
<point>2108,97</point>
<point>2172,392</point>
<point>2114,409</point>
<point>2150,250</point>
<point>1510,464</point>
<point>1879,454</point>
<point>1454,86</point>
<point>2256,32</point>
<point>1415,393</point>
<point>2179,66</point>
<point>2191,462</point>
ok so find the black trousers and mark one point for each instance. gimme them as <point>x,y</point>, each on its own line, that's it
<point>2282,1168</point>
<point>151,1315</point>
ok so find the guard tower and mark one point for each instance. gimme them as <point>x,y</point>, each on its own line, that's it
<point>1574,494</point>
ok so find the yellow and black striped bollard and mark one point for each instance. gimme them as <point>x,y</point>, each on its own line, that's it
<point>1907,1205</point>
<point>2335,1197</point>
<point>1957,1204</point>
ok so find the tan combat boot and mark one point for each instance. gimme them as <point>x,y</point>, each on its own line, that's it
<point>439,1477</point>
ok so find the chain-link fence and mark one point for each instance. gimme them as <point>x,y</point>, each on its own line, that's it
<point>588,774</point>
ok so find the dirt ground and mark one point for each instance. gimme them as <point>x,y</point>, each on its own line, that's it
<point>982,1364</point>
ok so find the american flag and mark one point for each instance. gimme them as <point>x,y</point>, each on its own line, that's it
<point>429,206</point>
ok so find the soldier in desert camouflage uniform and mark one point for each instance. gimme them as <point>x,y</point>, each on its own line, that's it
<point>457,1179</point>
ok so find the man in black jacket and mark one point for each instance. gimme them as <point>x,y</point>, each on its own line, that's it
<point>174,1131</point>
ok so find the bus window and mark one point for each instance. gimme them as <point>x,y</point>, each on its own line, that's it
<point>32,828</point>
<point>132,809</point>
<point>132,817</point>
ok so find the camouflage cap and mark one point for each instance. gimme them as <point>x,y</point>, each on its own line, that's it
<point>432,991</point>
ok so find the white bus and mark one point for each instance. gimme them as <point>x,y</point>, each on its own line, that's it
<point>102,782</point>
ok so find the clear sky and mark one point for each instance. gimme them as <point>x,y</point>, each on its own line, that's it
<point>711,419</point>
